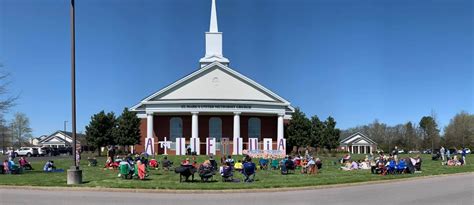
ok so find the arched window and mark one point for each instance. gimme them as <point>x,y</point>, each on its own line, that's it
<point>176,128</point>
<point>254,128</point>
<point>215,128</point>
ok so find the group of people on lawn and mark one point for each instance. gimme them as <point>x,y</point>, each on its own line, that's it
<point>138,165</point>
<point>383,164</point>
<point>446,158</point>
<point>10,167</point>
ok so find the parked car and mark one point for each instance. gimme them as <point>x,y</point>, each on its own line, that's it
<point>453,151</point>
<point>468,151</point>
<point>413,152</point>
<point>51,151</point>
<point>65,150</point>
<point>27,151</point>
<point>42,151</point>
<point>428,151</point>
<point>401,151</point>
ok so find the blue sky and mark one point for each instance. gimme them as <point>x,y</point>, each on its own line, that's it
<point>393,60</point>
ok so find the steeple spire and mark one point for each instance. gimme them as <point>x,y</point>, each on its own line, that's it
<point>213,41</point>
<point>213,25</point>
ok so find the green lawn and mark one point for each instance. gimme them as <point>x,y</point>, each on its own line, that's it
<point>159,179</point>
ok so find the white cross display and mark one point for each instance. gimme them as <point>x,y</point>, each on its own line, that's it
<point>166,145</point>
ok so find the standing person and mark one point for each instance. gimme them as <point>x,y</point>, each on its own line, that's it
<point>442,151</point>
<point>111,152</point>
<point>448,154</point>
<point>11,155</point>
<point>395,153</point>
<point>463,155</point>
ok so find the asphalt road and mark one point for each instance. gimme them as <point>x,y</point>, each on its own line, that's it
<point>457,189</point>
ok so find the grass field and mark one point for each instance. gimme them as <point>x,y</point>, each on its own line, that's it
<point>160,179</point>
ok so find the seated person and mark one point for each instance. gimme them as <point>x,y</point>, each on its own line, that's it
<point>185,162</point>
<point>6,167</point>
<point>213,163</point>
<point>391,166</point>
<point>49,166</point>
<point>109,164</point>
<point>226,172</point>
<point>249,170</point>
<point>92,162</point>
<point>263,163</point>
<point>319,163</point>
<point>238,166</point>
<point>310,167</point>
<point>364,165</point>
<point>25,164</point>
<point>153,163</point>
<point>129,166</point>
<point>141,170</point>
<point>345,158</point>
<point>297,161</point>
<point>289,164</point>
<point>417,163</point>
<point>275,164</point>
<point>166,163</point>
<point>230,160</point>
<point>350,165</point>
<point>401,166</point>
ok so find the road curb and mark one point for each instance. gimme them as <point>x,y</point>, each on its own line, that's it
<point>187,191</point>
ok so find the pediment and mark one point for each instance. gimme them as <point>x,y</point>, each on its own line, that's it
<point>357,138</point>
<point>215,82</point>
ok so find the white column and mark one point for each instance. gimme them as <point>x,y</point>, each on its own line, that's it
<point>280,134</point>
<point>149,125</point>
<point>236,125</point>
<point>195,129</point>
<point>236,138</point>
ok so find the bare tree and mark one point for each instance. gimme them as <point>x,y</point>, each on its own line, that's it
<point>20,127</point>
<point>6,102</point>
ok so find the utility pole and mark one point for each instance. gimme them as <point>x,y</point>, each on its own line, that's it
<point>74,174</point>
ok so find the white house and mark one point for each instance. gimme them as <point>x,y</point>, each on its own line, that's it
<point>358,143</point>
<point>59,139</point>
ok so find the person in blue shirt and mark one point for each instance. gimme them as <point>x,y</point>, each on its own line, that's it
<point>263,163</point>
<point>392,165</point>
<point>249,170</point>
<point>401,166</point>
<point>49,166</point>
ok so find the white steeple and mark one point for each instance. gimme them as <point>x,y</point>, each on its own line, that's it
<point>213,42</point>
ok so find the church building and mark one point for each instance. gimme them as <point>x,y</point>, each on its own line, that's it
<point>214,110</point>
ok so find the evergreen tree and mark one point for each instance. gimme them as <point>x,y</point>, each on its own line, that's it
<point>100,131</point>
<point>317,131</point>
<point>330,134</point>
<point>299,130</point>
<point>128,129</point>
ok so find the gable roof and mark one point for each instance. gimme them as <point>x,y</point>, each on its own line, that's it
<point>67,134</point>
<point>362,137</point>
<point>272,97</point>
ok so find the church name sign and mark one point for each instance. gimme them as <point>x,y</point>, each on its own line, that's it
<point>217,106</point>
